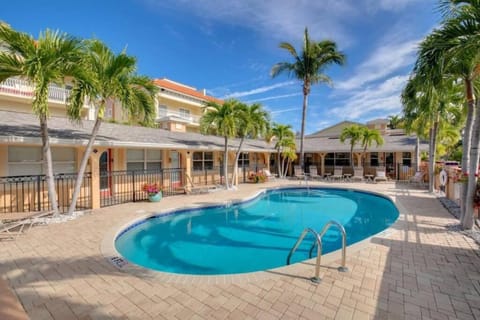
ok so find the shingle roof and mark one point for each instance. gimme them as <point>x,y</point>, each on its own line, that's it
<point>16,127</point>
<point>391,143</point>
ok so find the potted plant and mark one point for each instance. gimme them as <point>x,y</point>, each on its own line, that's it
<point>154,192</point>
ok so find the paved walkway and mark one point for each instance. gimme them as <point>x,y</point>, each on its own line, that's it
<point>419,270</point>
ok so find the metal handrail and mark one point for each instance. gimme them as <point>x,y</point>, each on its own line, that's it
<point>343,267</point>
<point>318,243</point>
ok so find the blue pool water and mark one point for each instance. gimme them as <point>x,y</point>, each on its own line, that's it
<point>254,235</point>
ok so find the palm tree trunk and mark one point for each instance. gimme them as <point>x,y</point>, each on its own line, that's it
<point>351,157</point>
<point>467,222</point>
<point>432,152</point>
<point>235,164</point>
<point>279,165</point>
<point>48,165</point>
<point>417,154</point>
<point>302,132</point>
<point>466,141</point>
<point>83,165</point>
<point>225,163</point>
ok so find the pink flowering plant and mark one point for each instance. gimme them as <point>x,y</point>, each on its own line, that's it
<point>151,188</point>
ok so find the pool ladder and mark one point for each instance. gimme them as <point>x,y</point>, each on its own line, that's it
<point>318,243</point>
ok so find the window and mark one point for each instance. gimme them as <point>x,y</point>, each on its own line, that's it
<point>161,111</point>
<point>374,159</point>
<point>330,159</point>
<point>184,113</point>
<point>243,160</point>
<point>144,159</point>
<point>202,161</point>
<point>342,159</point>
<point>24,161</point>
<point>407,158</point>
<point>337,159</point>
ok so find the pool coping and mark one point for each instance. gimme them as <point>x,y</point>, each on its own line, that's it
<point>108,250</point>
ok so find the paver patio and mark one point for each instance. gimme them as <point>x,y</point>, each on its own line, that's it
<point>417,270</point>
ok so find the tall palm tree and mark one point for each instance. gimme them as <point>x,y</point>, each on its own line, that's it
<point>284,136</point>
<point>368,137</point>
<point>221,119</point>
<point>50,59</point>
<point>430,94</point>
<point>354,134</point>
<point>457,43</point>
<point>309,67</point>
<point>109,77</point>
<point>253,122</point>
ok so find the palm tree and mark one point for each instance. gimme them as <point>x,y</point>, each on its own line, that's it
<point>50,59</point>
<point>253,122</point>
<point>354,133</point>
<point>289,155</point>
<point>284,138</point>
<point>457,43</point>
<point>109,77</point>
<point>308,67</point>
<point>368,137</point>
<point>221,119</point>
<point>395,121</point>
<point>430,95</point>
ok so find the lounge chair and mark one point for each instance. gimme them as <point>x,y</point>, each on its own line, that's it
<point>337,174</point>
<point>357,174</point>
<point>314,172</point>
<point>13,224</point>
<point>269,175</point>
<point>380,176</point>
<point>298,172</point>
<point>417,178</point>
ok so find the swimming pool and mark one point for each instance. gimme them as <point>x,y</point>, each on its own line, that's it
<point>253,235</point>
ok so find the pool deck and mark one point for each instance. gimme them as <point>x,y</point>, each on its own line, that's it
<point>419,269</point>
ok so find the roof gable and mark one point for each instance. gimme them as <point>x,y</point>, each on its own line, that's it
<point>335,130</point>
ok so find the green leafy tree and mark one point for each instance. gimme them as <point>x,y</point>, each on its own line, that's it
<point>309,66</point>
<point>354,135</point>
<point>253,123</point>
<point>395,121</point>
<point>456,43</point>
<point>284,138</point>
<point>368,137</point>
<point>109,77</point>
<point>50,59</point>
<point>222,120</point>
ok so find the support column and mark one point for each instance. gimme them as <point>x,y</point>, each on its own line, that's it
<point>359,159</point>
<point>322,163</point>
<point>95,182</point>
<point>188,171</point>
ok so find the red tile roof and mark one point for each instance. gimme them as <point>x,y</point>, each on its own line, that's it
<point>177,87</point>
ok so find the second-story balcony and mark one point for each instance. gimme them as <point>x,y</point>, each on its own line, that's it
<point>165,115</point>
<point>21,88</point>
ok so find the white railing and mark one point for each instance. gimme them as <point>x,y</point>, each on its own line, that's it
<point>191,119</point>
<point>23,88</point>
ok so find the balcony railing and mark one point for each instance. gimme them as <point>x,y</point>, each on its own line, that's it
<point>187,117</point>
<point>23,88</point>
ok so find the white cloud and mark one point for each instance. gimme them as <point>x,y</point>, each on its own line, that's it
<point>240,94</point>
<point>383,99</point>
<point>281,96</point>
<point>389,5</point>
<point>384,61</point>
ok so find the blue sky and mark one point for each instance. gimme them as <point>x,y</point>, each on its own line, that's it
<point>229,47</point>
